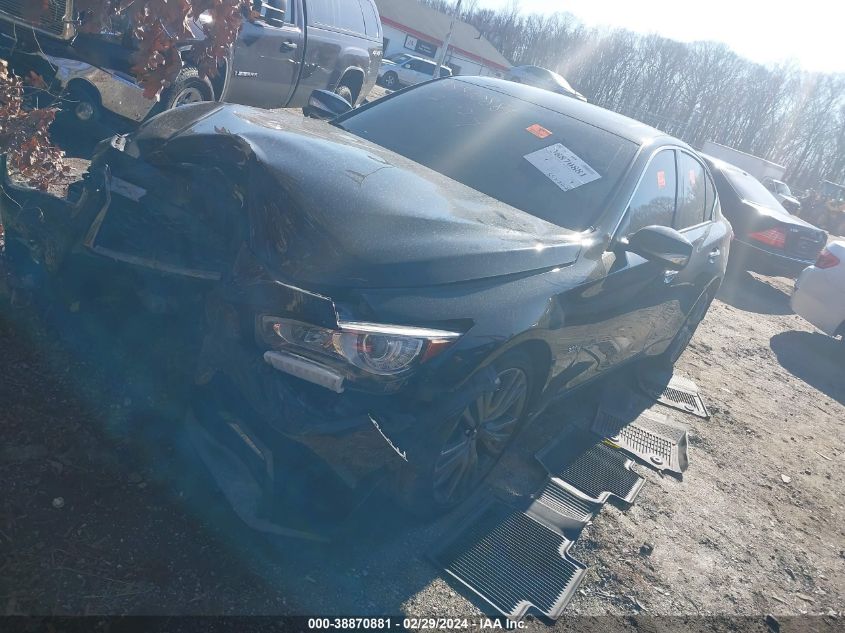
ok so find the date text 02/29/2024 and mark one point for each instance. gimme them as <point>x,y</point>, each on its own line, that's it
<point>440,624</point>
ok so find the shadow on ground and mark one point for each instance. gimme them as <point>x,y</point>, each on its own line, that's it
<point>106,510</point>
<point>816,359</point>
<point>744,291</point>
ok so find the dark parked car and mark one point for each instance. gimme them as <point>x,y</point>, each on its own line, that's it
<point>545,79</point>
<point>394,296</point>
<point>285,50</point>
<point>767,238</point>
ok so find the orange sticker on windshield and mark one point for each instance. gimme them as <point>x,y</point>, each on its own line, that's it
<point>539,131</point>
<point>661,180</point>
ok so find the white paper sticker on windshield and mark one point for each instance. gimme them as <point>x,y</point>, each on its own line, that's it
<point>560,165</point>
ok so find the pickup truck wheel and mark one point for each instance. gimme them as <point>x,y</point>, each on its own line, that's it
<point>344,91</point>
<point>189,87</point>
<point>464,449</point>
<point>390,80</point>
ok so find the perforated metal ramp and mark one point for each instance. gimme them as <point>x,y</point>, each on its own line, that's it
<point>651,436</point>
<point>513,561</point>
<point>589,470</point>
<point>676,392</point>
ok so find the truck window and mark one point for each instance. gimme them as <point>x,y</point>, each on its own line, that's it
<point>371,21</point>
<point>339,14</point>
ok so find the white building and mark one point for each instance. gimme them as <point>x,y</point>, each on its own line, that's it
<point>410,27</point>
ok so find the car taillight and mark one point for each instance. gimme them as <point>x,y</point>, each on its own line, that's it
<point>772,237</point>
<point>827,259</point>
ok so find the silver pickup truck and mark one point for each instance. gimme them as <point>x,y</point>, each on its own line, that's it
<point>286,49</point>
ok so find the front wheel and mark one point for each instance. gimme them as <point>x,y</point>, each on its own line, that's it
<point>188,88</point>
<point>684,336</point>
<point>391,80</point>
<point>464,450</point>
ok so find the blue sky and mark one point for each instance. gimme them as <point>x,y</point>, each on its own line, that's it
<point>811,32</point>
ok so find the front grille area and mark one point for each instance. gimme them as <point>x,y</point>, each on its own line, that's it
<point>51,20</point>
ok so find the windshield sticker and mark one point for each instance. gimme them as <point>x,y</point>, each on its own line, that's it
<point>560,165</point>
<point>661,180</point>
<point>539,131</point>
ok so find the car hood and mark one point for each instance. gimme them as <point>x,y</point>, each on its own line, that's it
<point>335,210</point>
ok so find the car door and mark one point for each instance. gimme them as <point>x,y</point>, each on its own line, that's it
<point>268,55</point>
<point>694,219</point>
<point>615,315</point>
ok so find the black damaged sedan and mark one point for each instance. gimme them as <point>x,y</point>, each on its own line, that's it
<point>401,289</point>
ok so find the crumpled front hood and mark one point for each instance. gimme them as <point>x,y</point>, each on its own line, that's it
<point>331,209</point>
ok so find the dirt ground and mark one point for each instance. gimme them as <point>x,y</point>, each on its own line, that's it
<point>101,513</point>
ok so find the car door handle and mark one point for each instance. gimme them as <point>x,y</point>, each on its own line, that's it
<point>288,46</point>
<point>713,255</point>
<point>669,276</point>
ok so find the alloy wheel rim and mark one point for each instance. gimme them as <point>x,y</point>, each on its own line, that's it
<point>188,95</point>
<point>483,431</point>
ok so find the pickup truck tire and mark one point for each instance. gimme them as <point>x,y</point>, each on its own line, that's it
<point>189,87</point>
<point>346,92</point>
<point>390,80</point>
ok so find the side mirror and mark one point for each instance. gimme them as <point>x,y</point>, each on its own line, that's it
<point>326,105</point>
<point>660,244</point>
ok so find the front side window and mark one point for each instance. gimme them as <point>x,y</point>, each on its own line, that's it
<point>692,197</point>
<point>487,140</point>
<point>371,21</point>
<point>341,14</point>
<point>654,200</point>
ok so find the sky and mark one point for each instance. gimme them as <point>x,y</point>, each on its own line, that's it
<point>811,32</point>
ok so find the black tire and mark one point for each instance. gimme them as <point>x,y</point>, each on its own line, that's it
<point>346,92</point>
<point>682,339</point>
<point>439,481</point>
<point>390,80</point>
<point>189,87</point>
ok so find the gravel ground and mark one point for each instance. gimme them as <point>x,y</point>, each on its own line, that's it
<point>101,513</point>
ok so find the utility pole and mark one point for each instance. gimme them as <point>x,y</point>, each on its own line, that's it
<point>441,57</point>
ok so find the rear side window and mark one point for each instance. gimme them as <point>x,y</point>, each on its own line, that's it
<point>691,192</point>
<point>340,14</point>
<point>371,21</point>
<point>654,200</point>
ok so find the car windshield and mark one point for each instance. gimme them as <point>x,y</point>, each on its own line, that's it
<point>782,188</point>
<point>548,164</point>
<point>750,189</point>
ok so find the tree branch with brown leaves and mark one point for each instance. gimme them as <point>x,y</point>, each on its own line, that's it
<point>158,28</point>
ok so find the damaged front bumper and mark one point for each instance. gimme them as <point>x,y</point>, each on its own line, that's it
<point>356,433</point>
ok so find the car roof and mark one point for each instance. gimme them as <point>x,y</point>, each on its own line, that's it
<point>589,113</point>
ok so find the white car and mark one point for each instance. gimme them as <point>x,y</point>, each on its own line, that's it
<point>819,294</point>
<point>409,72</point>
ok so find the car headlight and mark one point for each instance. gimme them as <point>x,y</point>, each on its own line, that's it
<point>384,350</point>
